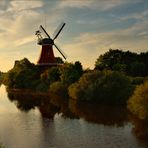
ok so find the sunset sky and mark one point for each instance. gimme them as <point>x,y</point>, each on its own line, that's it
<point>92,27</point>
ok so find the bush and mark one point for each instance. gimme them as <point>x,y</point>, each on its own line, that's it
<point>138,103</point>
<point>137,80</point>
<point>71,73</point>
<point>132,64</point>
<point>2,146</point>
<point>41,86</point>
<point>22,75</point>
<point>58,88</point>
<point>104,87</point>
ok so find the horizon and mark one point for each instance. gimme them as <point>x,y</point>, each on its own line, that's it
<point>92,28</point>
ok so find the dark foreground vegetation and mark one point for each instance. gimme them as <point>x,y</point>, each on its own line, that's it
<point>1,146</point>
<point>119,78</point>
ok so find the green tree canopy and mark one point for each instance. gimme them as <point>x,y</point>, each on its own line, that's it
<point>124,61</point>
<point>104,87</point>
<point>59,60</point>
<point>71,72</point>
<point>23,75</point>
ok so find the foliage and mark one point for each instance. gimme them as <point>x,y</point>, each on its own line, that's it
<point>138,69</point>
<point>1,77</point>
<point>105,87</point>
<point>50,75</point>
<point>23,75</point>
<point>41,86</point>
<point>59,60</point>
<point>2,146</point>
<point>137,80</point>
<point>70,73</point>
<point>138,103</point>
<point>58,88</point>
<point>127,62</point>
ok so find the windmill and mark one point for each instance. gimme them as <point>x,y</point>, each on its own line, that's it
<point>47,55</point>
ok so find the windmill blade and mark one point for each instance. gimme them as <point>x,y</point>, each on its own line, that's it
<point>61,52</point>
<point>58,30</point>
<point>44,31</point>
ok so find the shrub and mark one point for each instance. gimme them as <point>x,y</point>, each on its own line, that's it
<point>104,87</point>
<point>41,86</point>
<point>58,88</point>
<point>138,102</point>
<point>137,80</point>
<point>50,75</point>
<point>71,73</point>
<point>2,146</point>
<point>22,75</point>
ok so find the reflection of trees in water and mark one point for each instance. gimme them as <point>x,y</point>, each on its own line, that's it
<point>101,114</point>
<point>24,101</point>
<point>140,129</point>
<point>47,109</point>
<point>107,115</point>
<point>63,105</point>
<point>50,105</point>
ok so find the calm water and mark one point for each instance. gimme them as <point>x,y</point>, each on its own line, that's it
<point>44,125</point>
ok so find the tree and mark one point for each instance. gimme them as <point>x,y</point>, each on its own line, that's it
<point>1,77</point>
<point>23,75</point>
<point>58,88</point>
<point>138,102</point>
<point>138,69</point>
<point>105,87</point>
<point>109,59</point>
<point>59,60</point>
<point>127,62</point>
<point>51,75</point>
<point>70,73</point>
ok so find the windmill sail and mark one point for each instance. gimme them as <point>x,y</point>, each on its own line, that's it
<point>58,30</point>
<point>61,52</point>
<point>43,31</point>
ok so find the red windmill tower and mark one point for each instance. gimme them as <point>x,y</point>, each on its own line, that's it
<point>47,55</point>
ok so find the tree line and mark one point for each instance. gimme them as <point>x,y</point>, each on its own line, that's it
<point>130,63</point>
<point>113,81</point>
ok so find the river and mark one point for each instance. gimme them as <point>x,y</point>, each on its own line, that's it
<point>23,125</point>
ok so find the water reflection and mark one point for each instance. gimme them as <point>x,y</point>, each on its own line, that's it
<point>24,101</point>
<point>101,114</point>
<point>47,109</point>
<point>49,105</point>
<point>140,129</point>
<point>63,105</point>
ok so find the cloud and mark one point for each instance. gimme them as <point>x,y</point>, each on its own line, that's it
<point>95,4</point>
<point>88,46</point>
<point>20,21</point>
<point>75,4</point>
<point>4,4</point>
<point>23,5</point>
<point>24,40</point>
<point>93,27</point>
<point>21,29</point>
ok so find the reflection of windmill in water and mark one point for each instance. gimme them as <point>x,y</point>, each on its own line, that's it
<point>47,58</point>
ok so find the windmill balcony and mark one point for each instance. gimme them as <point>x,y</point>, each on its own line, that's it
<point>45,41</point>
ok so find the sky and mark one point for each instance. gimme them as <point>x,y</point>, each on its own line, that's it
<point>92,28</point>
